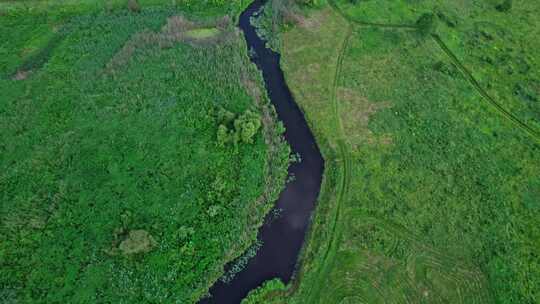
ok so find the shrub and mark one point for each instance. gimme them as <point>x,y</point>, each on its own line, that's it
<point>247,126</point>
<point>134,6</point>
<point>427,24</point>
<point>505,6</point>
<point>223,136</point>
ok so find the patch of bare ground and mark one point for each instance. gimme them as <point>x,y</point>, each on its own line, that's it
<point>176,26</point>
<point>129,242</point>
<point>311,23</point>
<point>356,112</point>
<point>21,75</point>
<point>309,74</point>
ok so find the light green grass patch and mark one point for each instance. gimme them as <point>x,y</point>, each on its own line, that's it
<point>203,33</point>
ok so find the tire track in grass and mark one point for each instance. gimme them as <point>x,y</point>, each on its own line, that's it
<point>470,78</point>
<point>345,159</point>
<point>351,20</point>
<point>466,73</point>
<point>37,60</point>
<point>343,153</point>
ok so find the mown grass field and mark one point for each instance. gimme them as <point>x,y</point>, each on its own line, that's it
<point>431,194</point>
<point>117,183</point>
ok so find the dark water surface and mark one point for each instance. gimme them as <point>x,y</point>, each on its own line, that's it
<point>282,237</point>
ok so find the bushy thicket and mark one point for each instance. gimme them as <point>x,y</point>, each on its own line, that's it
<point>237,129</point>
<point>427,24</point>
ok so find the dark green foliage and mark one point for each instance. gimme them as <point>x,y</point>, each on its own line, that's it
<point>235,130</point>
<point>112,187</point>
<point>450,21</point>
<point>427,24</point>
<point>505,6</point>
<point>267,293</point>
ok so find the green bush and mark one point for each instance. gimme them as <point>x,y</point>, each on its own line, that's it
<point>427,24</point>
<point>505,6</point>
<point>134,6</point>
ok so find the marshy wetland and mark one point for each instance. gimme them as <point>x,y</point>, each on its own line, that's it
<point>301,151</point>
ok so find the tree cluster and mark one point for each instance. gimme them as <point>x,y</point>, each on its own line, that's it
<point>234,129</point>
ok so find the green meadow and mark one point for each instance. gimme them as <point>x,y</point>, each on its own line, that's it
<point>431,139</point>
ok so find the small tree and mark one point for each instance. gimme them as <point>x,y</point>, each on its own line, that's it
<point>505,6</point>
<point>247,126</point>
<point>243,129</point>
<point>248,131</point>
<point>427,24</point>
<point>224,116</point>
<point>223,136</point>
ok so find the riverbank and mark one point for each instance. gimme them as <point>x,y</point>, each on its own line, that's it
<point>433,174</point>
<point>282,237</point>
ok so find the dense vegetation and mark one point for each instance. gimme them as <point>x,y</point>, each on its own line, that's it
<point>428,118</point>
<point>115,184</point>
<point>30,29</point>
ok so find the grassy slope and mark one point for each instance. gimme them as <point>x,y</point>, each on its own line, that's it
<point>86,153</point>
<point>443,201</point>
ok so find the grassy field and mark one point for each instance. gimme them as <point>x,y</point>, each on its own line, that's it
<point>431,193</point>
<point>138,153</point>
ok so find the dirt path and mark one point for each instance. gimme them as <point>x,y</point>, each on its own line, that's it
<point>344,158</point>
<point>466,73</point>
<point>470,78</point>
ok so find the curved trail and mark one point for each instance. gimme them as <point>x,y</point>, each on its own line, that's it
<point>343,152</point>
<point>466,73</point>
<point>350,20</point>
<point>344,182</point>
<point>470,78</point>
<point>263,266</point>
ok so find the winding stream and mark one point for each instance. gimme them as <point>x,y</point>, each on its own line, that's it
<point>282,237</point>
